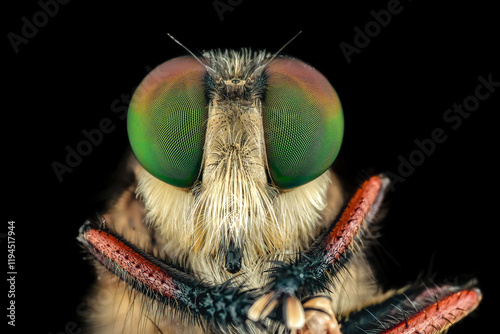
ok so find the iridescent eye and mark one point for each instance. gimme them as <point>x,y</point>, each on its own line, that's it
<point>166,121</point>
<point>303,123</point>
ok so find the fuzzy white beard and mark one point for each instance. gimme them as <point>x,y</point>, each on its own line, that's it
<point>196,223</point>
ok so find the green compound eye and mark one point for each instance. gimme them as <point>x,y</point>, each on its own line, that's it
<point>166,121</point>
<point>303,123</point>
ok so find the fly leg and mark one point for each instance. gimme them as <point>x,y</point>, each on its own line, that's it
<point>217,307</point>
<point>313,272</point>
<point>418,309</point>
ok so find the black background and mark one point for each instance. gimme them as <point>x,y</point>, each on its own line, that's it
<point>394,91</point>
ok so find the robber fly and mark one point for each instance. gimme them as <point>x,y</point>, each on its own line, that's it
<point>232,221</point>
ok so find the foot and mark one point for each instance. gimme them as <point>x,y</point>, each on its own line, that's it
<point>313,316</point>
<point>319,316</point>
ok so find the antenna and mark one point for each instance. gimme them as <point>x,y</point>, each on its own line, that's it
<point>275,54</point>
<point>283,47</point>
<point>191,53</point>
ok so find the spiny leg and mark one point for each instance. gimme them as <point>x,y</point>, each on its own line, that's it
<point>220,307</point>
<point>314,271</point>
<point>416,310</point>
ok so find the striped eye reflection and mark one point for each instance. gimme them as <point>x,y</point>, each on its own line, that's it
<point>303,123</point>
<point>166,121</point>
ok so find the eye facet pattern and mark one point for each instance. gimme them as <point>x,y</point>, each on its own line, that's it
<point>166,121</point>
<point>303,123</point>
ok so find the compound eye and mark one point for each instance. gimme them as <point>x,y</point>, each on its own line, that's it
<point>303,123</point>
<point>167,121</point>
